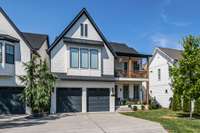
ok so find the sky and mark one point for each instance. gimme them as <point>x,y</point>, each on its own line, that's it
<point>141,24</point>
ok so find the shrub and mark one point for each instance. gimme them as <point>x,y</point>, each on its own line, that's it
<point>186,104</point>
<point>135,108</point>
<point>129,105</point>
<point>142,107</point>
<point>153,104</point>
<point>175,103</point>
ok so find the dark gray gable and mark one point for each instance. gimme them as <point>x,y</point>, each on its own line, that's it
<point>16,29</point>
<point>36,40</point>
<point>83,11</point>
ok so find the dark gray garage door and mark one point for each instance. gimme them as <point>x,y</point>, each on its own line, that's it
<point>69,99</point>
<point>10,101</point>
<point>97,99</point>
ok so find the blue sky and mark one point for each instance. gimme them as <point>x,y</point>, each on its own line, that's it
<point>142,24</point>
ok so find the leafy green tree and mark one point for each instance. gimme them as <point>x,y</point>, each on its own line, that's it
<point>30,80</point>
<point>186,74</point>
<point>176,102</point>
<point>38,83</point>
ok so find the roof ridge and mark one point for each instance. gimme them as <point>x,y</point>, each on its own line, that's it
<point>35,33</point>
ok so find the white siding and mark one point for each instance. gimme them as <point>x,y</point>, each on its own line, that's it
<point>43,51</point>
<point>157,87</point>
<point>22,54</point>
<point>60,55</point>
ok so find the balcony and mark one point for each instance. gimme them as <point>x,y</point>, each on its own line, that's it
<point>131,74</point>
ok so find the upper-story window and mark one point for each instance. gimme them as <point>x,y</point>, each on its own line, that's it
<point>93,59</point>
<point>1,52</point>
<point>136,66</point>
<point>159,74</point>
<point>74,57</point>
<point>84,30</point>
<point>88,58</point>
<point>9,54</point>
<point>84,58</point>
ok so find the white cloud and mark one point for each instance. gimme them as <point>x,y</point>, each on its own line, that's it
<point>163,40</point>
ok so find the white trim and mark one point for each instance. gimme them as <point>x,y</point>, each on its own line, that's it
<point>131,79</point>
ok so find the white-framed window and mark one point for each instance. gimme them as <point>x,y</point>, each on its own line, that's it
<point>1,52</point>
<point>84,30</point>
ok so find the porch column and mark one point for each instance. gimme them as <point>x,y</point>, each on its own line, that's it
<point>129,67</point>
<point>53,101</point>
<point>112,100</point>
<point>131,91</point>
<point>84,99</point>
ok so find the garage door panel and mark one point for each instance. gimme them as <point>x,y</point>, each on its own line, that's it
<point>11,102</point>
<point>97,99</point>
<point>69,99</point>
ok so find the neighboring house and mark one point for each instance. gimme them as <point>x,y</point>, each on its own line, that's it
<point>159,78</point>
<point>91,72</point>
<point>16,48</point>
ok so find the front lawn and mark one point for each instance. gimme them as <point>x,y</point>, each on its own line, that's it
<point>174,122</point>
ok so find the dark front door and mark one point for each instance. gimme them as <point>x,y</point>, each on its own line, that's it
<point>98,99</point>
<point>136,92</point>
<point>10,101</point>
<point>126,92</point>
<point>69,99</point>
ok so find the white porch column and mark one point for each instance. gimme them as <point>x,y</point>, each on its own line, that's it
<point>53,101</point>
<point>84,99</point>
<point>140,93</point>
<point>112,101</point>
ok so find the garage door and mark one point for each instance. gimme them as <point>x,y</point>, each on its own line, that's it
<point>69,100</point>
<point>10,101</point>
<point>97,99</point>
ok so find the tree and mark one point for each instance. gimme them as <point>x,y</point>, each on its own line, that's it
<point>38,83</point>
<point>186,74</point>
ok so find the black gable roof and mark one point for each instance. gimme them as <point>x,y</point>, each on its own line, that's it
<point>83,11</point>
<point>122,48</point>
<point>35,40</point>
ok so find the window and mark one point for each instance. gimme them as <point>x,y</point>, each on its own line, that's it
<point>74,57</point>
<point>84,30</point>
<point>125,66</point>
<point>136,92</point>
<point>93,59</point>
<point>136,66</point>
<point>9,54</point>
<point>84,56</point>
<point>1,52</point>
<point>159,75</point>
<point>166,91</point>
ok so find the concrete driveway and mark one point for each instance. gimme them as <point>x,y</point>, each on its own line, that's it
<point>81,123</point>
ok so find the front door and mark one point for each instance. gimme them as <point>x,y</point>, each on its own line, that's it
<point>126,92</point>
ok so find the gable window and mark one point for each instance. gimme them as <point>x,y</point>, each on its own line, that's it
<point>159,74</point>
<point>84,30</point>
<point>1,52</point>
<point>9,54</point>
<point>84,58</point>
<point>74,57</point>
<point>93,59</point>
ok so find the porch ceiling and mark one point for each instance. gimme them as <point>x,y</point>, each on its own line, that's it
<point>131,79</point>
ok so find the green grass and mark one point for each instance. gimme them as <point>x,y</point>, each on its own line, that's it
<point>174,122</point>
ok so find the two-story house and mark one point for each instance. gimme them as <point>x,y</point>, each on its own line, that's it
<point>159,77</point>
<point>91,72</point>
<point>16,48</point>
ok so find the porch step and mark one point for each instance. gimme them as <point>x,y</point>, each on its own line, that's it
<point>123,109</point>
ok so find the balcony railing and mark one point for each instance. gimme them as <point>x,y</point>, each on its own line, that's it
<point>131,74</point>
